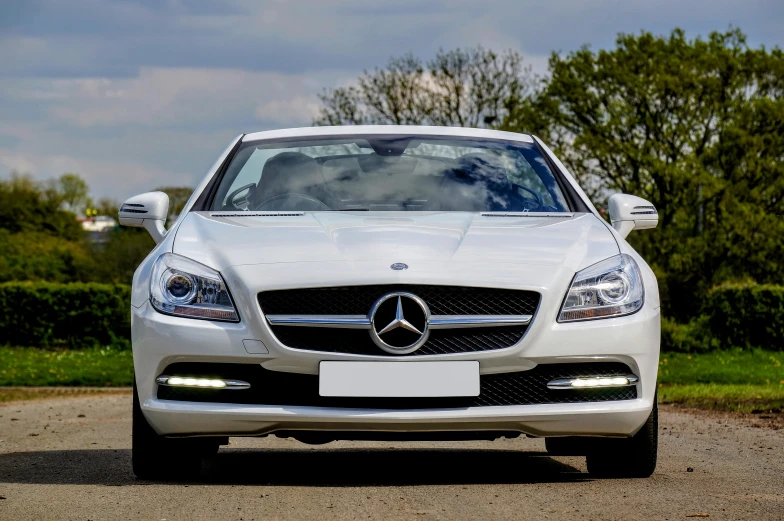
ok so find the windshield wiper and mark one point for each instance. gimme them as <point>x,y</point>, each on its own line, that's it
<point>352,210</point>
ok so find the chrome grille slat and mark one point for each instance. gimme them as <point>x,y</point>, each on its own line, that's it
<point>465,321</point>
<point>363,322</point>
<point>344,321</point>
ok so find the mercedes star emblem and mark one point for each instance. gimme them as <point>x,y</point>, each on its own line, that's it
<point>399,323</point>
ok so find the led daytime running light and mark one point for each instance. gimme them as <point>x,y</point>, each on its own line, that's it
<point>201,383</point>
<point>195,382</point>
<point>593,382</point>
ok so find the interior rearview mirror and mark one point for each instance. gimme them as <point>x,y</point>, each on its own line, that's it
<point>148,210</point>
<point>629,212</point>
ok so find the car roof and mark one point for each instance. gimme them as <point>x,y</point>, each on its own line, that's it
<point>354,130</point>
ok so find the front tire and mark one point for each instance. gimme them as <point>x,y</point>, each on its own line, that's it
<point>156,457</point>
<point>633,457</point>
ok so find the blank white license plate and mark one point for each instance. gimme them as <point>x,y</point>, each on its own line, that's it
<point>399,379</point>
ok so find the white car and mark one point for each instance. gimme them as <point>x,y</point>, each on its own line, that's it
<point>393,283</point>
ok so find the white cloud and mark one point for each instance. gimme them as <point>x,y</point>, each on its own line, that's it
<point>300,110</point>
<point>176,96</point>
<point>127,135</point>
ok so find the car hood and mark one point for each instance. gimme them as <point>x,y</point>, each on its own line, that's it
<point>222,240</point>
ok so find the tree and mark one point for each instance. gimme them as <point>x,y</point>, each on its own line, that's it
<point>27,206</point>
<point>470,87</point>
<point>107,206</point>
<point>121,254</point>
<point>178,196</point>
<point>40,240</point>
<point>695,126</point>
<point>73,191</point>
<point>36,255</point>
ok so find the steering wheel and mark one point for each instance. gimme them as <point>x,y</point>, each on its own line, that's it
<point>537,197</point>
<point>292,202</point>
<point>231,196</point>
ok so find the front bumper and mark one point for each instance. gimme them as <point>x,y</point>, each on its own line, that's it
<point>160,340</point>
<point>217,419</point>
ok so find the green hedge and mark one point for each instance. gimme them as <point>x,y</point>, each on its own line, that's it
<point>45,314</point>
<point>693,337</point>
<point>733,316</point>
<point>747,315</point>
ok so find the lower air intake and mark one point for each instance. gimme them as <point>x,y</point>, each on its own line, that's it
<point>279,388</point>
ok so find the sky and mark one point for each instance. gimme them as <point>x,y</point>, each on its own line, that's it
<point>139,94</point>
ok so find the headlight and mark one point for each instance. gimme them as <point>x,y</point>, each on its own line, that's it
<point>610,288</point>
<point>183,287</point>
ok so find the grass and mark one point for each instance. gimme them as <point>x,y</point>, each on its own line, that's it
<point>99,367</point>
<point>725,397</point>
<point>735,366</point>
<point>734,380</point>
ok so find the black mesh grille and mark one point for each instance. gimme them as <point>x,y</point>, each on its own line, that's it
<point>357,300</point>
<point>278,388</point>
<point>358,342</point>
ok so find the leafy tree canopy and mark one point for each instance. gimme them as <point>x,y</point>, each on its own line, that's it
<point>695,126</point>
<point>73,191</point>
<point>41,240</point>
<point>26,206</point>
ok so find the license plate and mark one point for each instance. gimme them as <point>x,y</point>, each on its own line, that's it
<point>399,379</point>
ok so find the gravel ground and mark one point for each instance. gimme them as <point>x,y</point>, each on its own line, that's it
<point>69,458</point>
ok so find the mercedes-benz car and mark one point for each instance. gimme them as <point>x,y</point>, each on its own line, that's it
<point>393,283</point>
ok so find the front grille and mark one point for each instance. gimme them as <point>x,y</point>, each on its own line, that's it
<point>357,300</point>
<point>358,342</point>
<point>279,388</point>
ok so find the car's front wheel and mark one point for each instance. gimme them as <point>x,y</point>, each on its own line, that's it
<point>156,457</point>
<point>633,457</point>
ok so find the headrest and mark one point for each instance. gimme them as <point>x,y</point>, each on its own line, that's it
<point>289,172</point>
<point>288,163</point>
<point>373,163</point>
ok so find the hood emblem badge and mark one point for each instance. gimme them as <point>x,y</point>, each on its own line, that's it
<point>399,323</point>
<point>399,266</point>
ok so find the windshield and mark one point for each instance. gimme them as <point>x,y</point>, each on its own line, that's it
<point>389,173</point>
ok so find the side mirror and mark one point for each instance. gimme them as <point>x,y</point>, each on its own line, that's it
<point>148,210</point>
<point>629,212</point>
